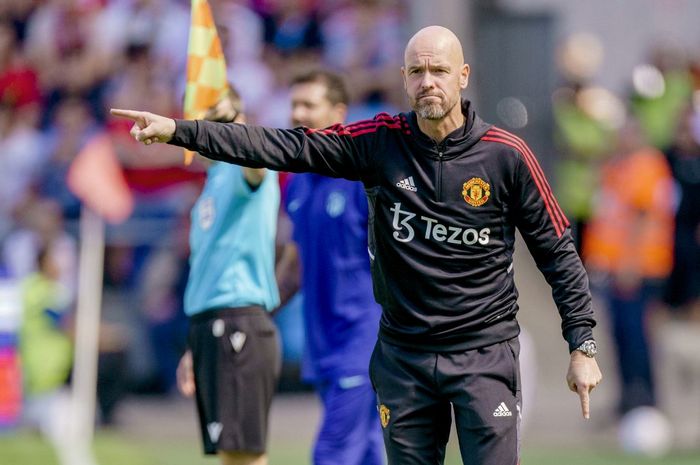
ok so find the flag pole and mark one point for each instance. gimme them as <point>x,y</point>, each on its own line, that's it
<point>87,328</point>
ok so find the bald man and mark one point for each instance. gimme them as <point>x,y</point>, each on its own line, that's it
<point>446,192</point>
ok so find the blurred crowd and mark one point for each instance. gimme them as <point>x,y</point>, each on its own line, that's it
<point>64,63</point>
<point>628,177</point>
<point>628,166</point>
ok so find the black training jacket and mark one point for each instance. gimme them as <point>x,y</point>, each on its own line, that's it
<point>442,220</point>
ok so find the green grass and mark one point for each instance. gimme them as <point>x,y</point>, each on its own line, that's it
<point>118,449</point>
<point>600,457</point>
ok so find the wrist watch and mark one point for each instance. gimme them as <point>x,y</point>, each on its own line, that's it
<point>589,348</point>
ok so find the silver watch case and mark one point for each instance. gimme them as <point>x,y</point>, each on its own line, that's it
<point>589,348</point>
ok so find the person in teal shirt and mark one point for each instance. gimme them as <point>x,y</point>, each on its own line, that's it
<point>233,362</point>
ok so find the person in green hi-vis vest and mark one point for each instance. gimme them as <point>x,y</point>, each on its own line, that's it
<point>584,142</point>
<point>586,117</point>
<point>660,114</point>
<point>46,350</point>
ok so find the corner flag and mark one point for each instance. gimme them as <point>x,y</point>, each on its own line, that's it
<point>96,178</point>
<point>206,65</point>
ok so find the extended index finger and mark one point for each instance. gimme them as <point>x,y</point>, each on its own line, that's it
<point>585,402</point>
<point>131,114</point>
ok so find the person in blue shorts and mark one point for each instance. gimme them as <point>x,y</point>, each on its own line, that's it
<point>341,317</point>
<point>233,362</point>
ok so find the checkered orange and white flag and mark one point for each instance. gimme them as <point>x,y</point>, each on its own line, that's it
<point>206,66</point>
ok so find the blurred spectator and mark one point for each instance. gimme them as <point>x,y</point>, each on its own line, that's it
<point>683,291</point>
<point>586,118</point>
<point>71,126</point>
<point>679,337</point>
<point>628,242</point>
<point>161,26</point>
<point>291,25</point>
<point>138,81</point>
<point>19,85</point>
<point>112,370</point>
<point>661,89</point>
<point>21,156</point>
<point>18,12</point>
<point>241,32</point>
<point>21,152</point>
<point>120,311</point>
<point>71,45</point>
<point>42,228</point>
<point>364,39</point>
<point>45,348</point>
<point>275,108</point>
<point>162,291</point>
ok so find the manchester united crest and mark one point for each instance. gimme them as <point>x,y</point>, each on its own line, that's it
<point>476,192</point>
<point>384,415</point>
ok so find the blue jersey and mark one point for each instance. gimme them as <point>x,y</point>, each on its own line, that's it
<point>232,242</point>
<point>340,314</point>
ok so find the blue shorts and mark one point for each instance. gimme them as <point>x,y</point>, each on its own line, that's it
<point>350,431</point>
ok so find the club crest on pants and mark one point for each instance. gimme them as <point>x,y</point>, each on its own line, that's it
<point>384,415</point>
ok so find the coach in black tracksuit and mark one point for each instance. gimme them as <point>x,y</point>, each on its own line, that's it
<point>446,193</point>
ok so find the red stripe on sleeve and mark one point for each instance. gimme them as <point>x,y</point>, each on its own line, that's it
<point>335,129</point>
<point>363,127</point>
<point>555,221</point>
<point>373,124</point>
<point>557,209</point>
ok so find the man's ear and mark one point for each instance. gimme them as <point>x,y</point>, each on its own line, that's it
<point>403,76</point>
<point>464,76</point>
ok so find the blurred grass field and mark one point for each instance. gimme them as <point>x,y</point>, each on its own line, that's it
<point>112,448</point>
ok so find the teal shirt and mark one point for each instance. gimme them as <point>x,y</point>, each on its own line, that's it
<point>232,242</point>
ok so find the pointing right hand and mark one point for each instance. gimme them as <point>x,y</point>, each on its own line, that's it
<point>148,127</point>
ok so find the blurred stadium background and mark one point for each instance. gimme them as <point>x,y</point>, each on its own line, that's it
<point>566,76</point>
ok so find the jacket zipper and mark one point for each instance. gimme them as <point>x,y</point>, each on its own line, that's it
<point>438,184</point>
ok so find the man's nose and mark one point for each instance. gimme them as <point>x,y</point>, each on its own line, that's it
<point>427,82</point>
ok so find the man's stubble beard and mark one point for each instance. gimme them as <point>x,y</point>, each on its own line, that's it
<point>433,111</point>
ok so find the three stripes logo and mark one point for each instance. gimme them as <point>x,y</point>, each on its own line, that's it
<point>407,184</point>
<point>502,411</point>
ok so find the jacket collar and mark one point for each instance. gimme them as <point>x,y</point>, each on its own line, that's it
<point>457,141</point>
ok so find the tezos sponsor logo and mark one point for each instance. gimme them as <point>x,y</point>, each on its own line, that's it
<point>404,230</point>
